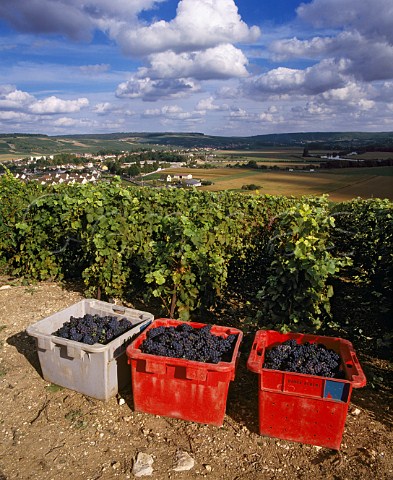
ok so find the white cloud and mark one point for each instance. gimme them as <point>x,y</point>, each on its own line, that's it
<point>94,69</point>
<point>152,90</point>
<point>76,125</point>
<point>207,104</point>
<point>103,108</point>
<point>13,99</point>
<point>365,104</point>
<point>294,48</point>
<point>64,122</point>
<point>16,103</point>
<point>280,79</point>
<point>223,61</point>
<point>151,112</point>
<point>336,106</point>
<point>314,108</point>
<point>11,116</point>
<point>350,92</point>
<point>267,116</point>
<point>310,81</point>
<point>173,114</point>
<point>106,108</point>
<point>198,25</point>
<point>51,105</point>
<point>366,58</point>
<point>354,96</point>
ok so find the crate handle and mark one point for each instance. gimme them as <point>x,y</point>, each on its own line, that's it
<point>255,359</point>
<point>198,374</point>
<point>359,380</point>
<point>76,353</point>
<point>44,343</point>
<point>118,309</point>
<point>155,367</point>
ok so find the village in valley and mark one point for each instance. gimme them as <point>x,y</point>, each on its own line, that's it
<point>92,168</point>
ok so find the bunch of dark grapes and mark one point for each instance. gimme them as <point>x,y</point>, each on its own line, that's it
<point>308,358</point>
<point>93,329</point>
<point>184,341</point>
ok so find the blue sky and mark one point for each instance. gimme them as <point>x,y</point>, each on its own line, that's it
<point>220,67</point>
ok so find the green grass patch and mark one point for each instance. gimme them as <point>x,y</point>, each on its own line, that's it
<point>53,388</point>
<point>75,417</point>
<point>153,176</point>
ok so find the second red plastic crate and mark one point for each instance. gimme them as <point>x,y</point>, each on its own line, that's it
<point>180,388</point>
<point>299,407</point>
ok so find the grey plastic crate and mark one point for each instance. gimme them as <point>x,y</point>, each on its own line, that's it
<point>97,370</point>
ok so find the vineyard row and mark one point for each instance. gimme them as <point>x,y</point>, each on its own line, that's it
<point>187,248</point>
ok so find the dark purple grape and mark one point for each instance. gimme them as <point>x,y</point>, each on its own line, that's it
<point>187,342</point>
<point>307,358</point>
<point>91,329</point>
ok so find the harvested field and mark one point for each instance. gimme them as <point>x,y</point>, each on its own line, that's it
<point>339,184</point>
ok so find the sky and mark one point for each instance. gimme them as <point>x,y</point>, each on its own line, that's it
<point>219,67</point>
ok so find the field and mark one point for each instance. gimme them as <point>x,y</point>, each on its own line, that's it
<point>373,155</point>
<point>340,184</point>
<point>263,154</point>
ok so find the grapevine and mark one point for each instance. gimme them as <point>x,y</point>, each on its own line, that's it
<point>185,248</point>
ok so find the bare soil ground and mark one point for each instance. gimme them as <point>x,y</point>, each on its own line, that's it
<point>48,432</point>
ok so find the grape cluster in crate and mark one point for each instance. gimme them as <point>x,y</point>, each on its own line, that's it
<point>184,341</point>
<point>91,329</point>
<point>308,358</point>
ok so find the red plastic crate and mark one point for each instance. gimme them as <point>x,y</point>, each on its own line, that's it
<point>304,408</point>
<point>180,388</point>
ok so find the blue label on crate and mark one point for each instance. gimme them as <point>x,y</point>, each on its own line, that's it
<point>336,390</point>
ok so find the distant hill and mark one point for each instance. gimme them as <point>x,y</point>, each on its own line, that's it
<point>326,138</point>
<point>280,139</point>
<point>33,144</point>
